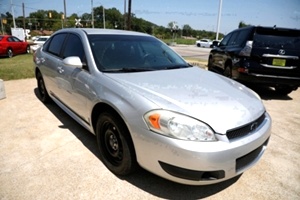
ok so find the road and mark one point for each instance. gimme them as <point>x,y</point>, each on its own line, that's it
<point>192,51</point>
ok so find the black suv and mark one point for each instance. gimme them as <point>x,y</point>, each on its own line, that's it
<point>262,55</point>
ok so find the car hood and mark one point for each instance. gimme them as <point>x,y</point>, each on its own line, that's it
<point>216,100</point>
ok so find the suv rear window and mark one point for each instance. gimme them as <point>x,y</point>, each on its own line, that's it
<point>276,38</point>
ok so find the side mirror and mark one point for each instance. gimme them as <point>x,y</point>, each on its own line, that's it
<point>73,61</point>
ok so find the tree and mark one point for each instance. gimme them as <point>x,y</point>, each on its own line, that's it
<point>242,24</point>
<point>186,30</point>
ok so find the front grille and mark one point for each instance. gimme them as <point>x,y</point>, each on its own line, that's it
<point>246,129</point>
<point>246,160</point>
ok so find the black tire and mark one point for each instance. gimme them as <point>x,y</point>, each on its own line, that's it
<point>283,90</point>
<point>228,71</point>
<point>28,49</point>
<point>198,45</point>
<point>115,144</point>
<point>44,96</point>
<point>209,64</point>
<point>10,53</point>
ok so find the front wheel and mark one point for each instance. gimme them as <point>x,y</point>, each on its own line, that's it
<point>44,96</point>
<point>115,144</point>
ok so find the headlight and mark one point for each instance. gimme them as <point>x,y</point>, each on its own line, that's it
<point>178,126</point>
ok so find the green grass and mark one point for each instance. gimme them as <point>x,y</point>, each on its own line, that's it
<point>181,41</point>
<point>17,67</point>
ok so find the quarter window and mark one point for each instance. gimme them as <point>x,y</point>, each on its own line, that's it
<point>233,38</point>
<point>241,37</point>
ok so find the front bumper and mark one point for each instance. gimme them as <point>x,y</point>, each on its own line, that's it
<point>200,163</point>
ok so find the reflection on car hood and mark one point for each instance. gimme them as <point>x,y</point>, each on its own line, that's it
<point>218,101</point>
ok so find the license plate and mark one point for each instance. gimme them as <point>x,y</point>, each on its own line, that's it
<point>278,62</point>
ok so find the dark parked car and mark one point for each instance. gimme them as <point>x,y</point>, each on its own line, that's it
<point>267,56</point>
<point>11,45</point>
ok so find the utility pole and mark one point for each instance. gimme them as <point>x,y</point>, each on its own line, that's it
<point>13,15</point>
<point>2,30</point>
<point>24,25</point>
<point>92,14</point>
<point>129,15</point>
<point>124,15</point>
<point>65,14</point>
<point>103,17</point>
<point>219,20</point>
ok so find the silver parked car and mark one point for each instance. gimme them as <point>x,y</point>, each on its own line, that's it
<point>148,107</point>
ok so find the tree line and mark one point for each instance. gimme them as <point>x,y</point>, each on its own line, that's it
<point>111,18</point>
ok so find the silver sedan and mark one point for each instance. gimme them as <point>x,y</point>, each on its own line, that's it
<point>148,107</point>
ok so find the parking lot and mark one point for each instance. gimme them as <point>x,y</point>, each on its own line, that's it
<point>47,155</point>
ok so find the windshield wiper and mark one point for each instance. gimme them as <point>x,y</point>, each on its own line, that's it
<point>177,66</point>
<point>127,69</point>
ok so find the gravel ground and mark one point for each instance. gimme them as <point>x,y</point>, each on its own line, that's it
<point>46,155</point>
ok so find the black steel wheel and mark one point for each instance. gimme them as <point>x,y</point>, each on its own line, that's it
<point>44,96</point>
<point>115,144</point>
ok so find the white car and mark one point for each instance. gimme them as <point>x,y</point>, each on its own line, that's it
<point>204,43</point>
<point>39,42</point>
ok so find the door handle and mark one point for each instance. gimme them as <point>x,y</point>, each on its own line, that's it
<point>60,70</point>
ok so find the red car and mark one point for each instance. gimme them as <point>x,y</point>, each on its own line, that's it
<point>11,45</point>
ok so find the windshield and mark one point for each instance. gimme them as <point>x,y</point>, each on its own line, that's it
<point>124,53</point>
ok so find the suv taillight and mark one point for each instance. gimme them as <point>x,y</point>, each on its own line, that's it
<point>246,51</point>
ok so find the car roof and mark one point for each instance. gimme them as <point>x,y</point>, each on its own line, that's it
<point>99,31</point>
<point>265,27</point>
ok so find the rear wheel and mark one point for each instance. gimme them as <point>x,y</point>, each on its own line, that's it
<point>115,144</point>
<point>44,96</point>
<point>283,90</point>
<point>10,53</point>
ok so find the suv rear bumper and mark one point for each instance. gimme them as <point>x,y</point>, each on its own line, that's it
<point>258,74</point>
<point>267,80</point>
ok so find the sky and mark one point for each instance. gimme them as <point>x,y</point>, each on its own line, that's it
<point>198,14</point>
